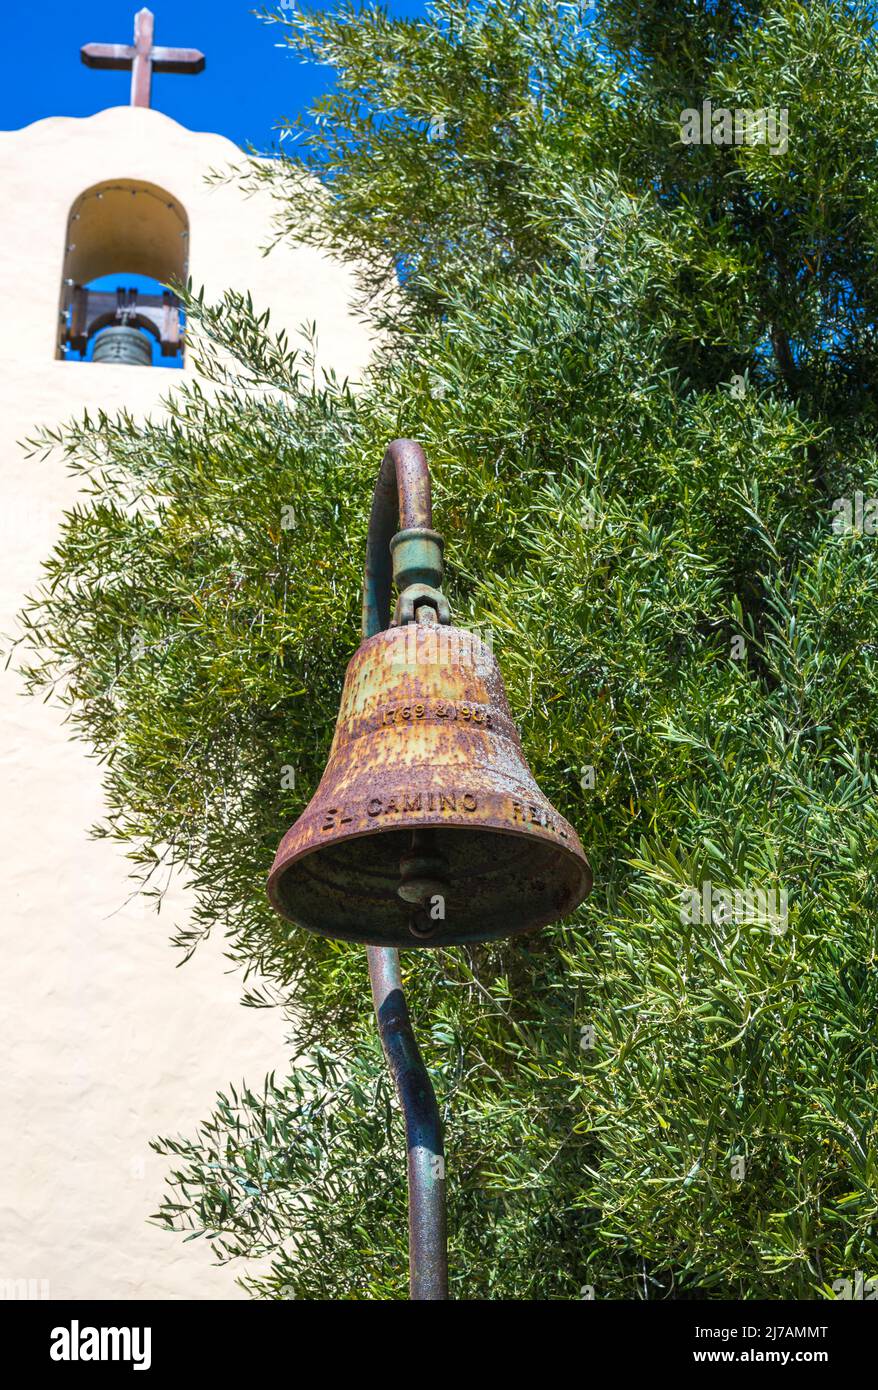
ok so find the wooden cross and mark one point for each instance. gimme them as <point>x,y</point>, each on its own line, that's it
<point>143,59</point>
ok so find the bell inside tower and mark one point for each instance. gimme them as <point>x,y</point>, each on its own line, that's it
<point>124,319</point>
<point>127,242</point>
<point>123,344</point>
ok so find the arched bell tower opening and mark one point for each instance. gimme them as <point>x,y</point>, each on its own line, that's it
<point>127,241</point>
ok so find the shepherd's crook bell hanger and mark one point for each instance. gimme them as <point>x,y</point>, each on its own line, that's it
<point>427,828</point>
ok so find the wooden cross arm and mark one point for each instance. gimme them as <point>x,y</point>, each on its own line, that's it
<point>108,55</point>
<point>119,56</point>
<point>177,60</point>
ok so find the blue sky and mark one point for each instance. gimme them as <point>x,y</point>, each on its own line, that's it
<point>248,83</point>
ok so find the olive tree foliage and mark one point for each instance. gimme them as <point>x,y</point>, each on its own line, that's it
<point>643,373</point>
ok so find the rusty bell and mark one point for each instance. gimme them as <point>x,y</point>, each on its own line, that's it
<point>427,828</point>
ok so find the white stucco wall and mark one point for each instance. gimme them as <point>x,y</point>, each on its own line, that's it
<point>107,1044</point>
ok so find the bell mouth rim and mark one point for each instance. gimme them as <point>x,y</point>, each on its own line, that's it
<point>577,858</point>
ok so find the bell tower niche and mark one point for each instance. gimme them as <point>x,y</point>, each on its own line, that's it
<point>123,230</point>
<point>126,242</point>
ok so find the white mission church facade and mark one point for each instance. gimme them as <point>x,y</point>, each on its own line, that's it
<point>107,1043</point>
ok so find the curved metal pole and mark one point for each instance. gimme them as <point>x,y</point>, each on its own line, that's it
<point>428,1257</point>
<point>402,500</point>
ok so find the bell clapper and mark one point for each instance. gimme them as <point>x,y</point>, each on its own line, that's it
<point>422,926</point>
<point>423,873</point>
